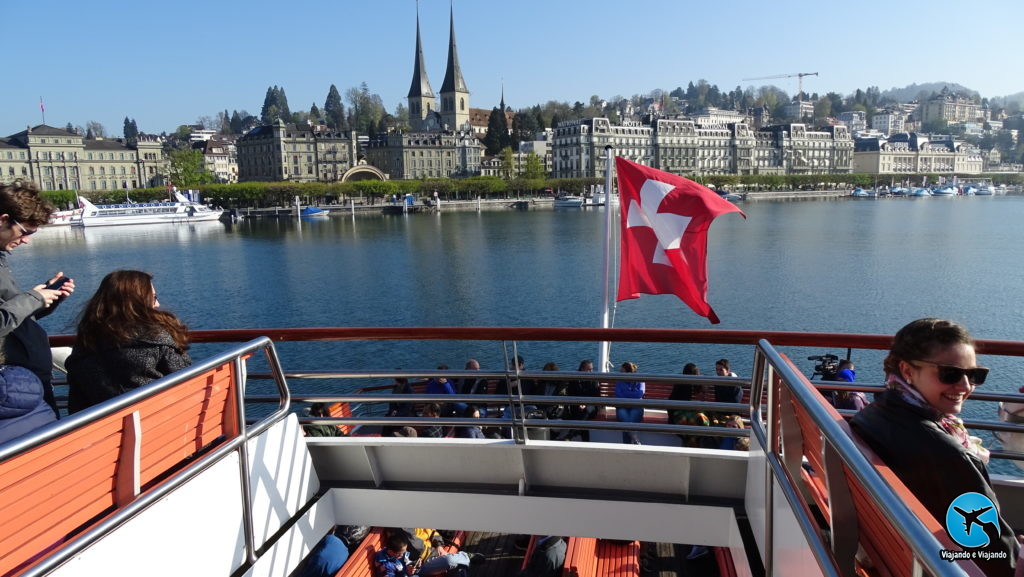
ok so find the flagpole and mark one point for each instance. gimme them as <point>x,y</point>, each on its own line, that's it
<point>605,350</point>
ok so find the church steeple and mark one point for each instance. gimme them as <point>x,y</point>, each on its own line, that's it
<point>421,97</point>
<point>454,94</point>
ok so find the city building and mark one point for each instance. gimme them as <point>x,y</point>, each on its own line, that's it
<point>854,120</point>
<point>56,159</point>
<point>913,153</point>
<point>220,159</point>
<point>889,121</point>
<point>681,146</point>
<point>949,107</point>
<point>282,151</point>
<point>799,110</point>
<point>539,146</point>
<point>443,140</point>
<point>711,116</point>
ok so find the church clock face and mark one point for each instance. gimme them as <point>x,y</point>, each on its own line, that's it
<point>432,122</point>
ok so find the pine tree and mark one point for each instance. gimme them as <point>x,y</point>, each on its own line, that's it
<point>282,105</point>
<point>236,123</point>
<point>334,110</point>
<point>225,123</point>
<point>70,128</point>
<point>497,132</point>
<point>269,111</point>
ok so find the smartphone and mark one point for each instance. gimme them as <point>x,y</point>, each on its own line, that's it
<point>57,283</point>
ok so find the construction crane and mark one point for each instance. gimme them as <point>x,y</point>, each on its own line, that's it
<point>800,81</point>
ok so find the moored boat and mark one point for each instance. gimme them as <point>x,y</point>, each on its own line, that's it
<point>65,217</point>
<point>244,493</point>
<point>314,212</point>
<point>181,210</point>
<point>568,201</point>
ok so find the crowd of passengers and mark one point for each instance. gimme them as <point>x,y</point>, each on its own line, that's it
<point>624,389</point>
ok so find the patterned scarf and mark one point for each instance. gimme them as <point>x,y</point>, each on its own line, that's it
<point>949,422</point>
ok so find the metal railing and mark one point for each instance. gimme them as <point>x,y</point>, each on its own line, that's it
<point>773,374</point>
<point>237,444</point>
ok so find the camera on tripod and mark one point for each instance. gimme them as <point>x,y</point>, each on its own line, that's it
<point>827,366</point>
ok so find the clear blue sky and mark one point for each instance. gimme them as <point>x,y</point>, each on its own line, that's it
<point>166,63</point>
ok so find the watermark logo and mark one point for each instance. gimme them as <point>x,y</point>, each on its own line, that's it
<point>970,519</point>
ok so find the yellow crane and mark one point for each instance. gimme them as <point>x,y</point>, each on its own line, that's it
<point>798,75</point>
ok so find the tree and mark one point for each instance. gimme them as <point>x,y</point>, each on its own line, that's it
<point>95,129</point>
<point>236,122</point>
<point>131,130</point>
<point>225,122</point>
<point>508,166</point>
<point>534,167</point>
<point>275,106</point>
<point>497,136</point>
<point>524,127</point>
<point>366,109</point>
<point>334,110</point>
<point>70,127</point>
<point>188,169</point>
<point>401,117</point>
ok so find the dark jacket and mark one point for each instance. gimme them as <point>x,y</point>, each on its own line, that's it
<point>26,344</point>
<point>97,376</point>
<point>22,406</point>
<point>931,463</point>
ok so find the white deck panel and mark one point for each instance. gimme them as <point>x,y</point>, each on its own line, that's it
<point>553,464</point>
<point>195,530</point>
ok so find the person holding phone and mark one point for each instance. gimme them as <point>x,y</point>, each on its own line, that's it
<point>124,341</point>
<point>25,343</point>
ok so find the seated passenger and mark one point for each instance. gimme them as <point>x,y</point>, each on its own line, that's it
<point>914,427</point>
<point>583,412</point>
<point>327,557</point>
<point>471,431</point>
<point>124,341</point>
<point>442,386</point>
<point>547,558</point>
<point>629,390</point>
<point>849,400</point>
<point>555,388</point>
<point>321,410</point>
<point>23,405</point>
<point>393,560</point>
<point>690,417</point>
<point>431,410</point>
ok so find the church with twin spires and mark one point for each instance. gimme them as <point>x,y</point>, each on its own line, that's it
<point>441,141</point>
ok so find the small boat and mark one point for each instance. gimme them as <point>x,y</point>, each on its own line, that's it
<point>731,196</point>
<point>899,191</point>
<point>985,191</point>
<point>568,201</point>
<point>919,192</point>
<point>181,210</point>
<point>861,193</point>
<point>65,217</point>
<point>944,191</point>
<point>314,212</point>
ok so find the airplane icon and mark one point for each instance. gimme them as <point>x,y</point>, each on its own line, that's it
<point>972,517</point>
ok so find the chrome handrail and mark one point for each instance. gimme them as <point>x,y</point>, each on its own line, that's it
<point>148,497</point>
<point>923,543</point>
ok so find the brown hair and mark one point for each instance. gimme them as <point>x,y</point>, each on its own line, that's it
<point>122,309</point>
<point>22,202</point>
<point>628,367</point>
<point>920,339</point>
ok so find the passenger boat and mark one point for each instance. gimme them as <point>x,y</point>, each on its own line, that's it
<point>198,474</point>
<point>181,210</point>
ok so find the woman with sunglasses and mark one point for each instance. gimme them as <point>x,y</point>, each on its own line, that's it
<point>123,341</point>
<point>913,426</point>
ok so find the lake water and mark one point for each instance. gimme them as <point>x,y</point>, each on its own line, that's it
<point>859,266</point>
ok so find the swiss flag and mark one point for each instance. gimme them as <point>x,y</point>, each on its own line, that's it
<point>665,221</point>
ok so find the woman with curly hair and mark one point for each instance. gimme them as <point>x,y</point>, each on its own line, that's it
<point>124,341</point>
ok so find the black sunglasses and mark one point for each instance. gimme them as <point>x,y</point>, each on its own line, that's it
<point>950,375</point>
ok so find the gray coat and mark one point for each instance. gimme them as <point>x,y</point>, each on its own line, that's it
<point>95,376</point>
<point>25,343</point>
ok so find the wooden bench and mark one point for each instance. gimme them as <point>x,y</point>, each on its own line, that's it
<point>618,559</point>
<point>360,561</point>
<point>63,487</point>
<point>887,552</point>
<point>580,557</point>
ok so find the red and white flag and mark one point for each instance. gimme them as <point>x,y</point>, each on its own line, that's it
<point>665,221</point>
<point>41,107</point>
